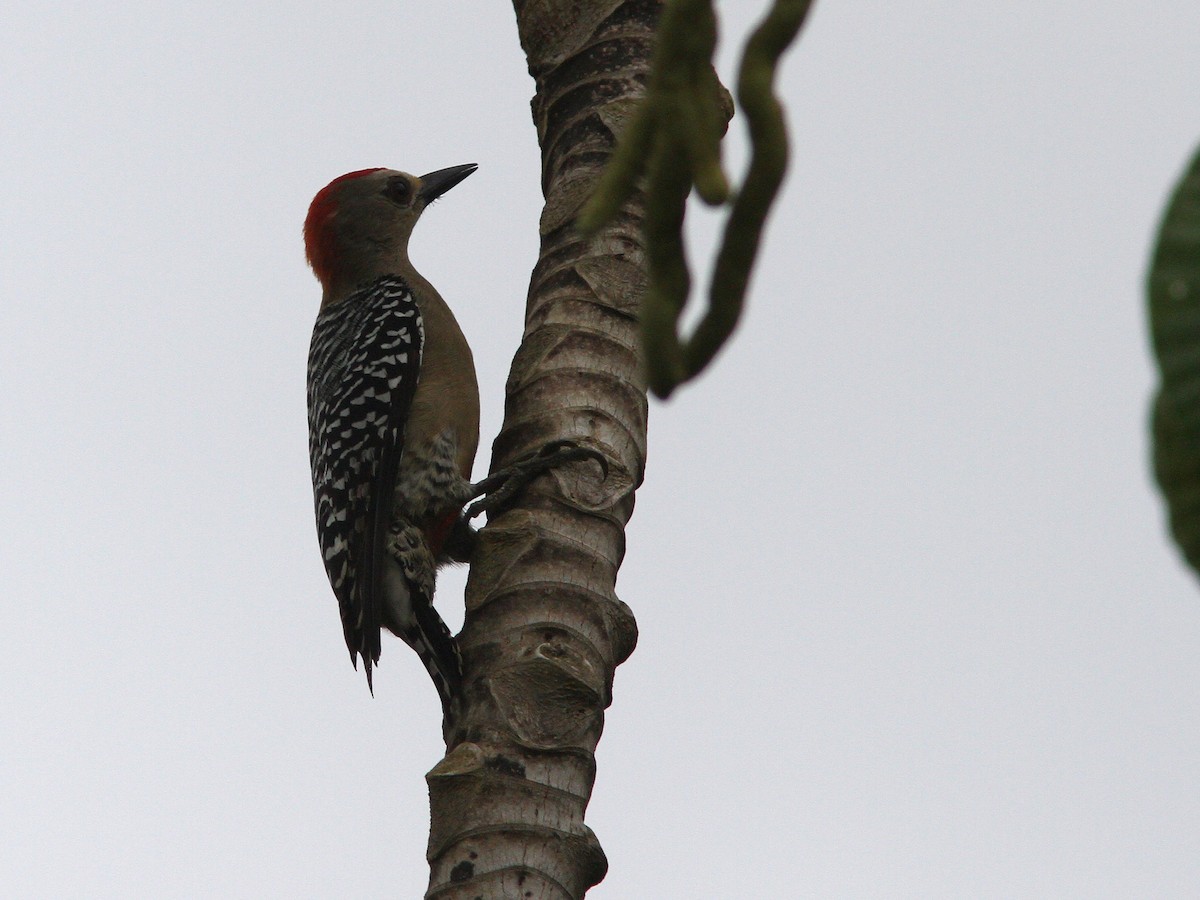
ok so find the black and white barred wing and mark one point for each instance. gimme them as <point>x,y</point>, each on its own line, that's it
<point>364,361</point>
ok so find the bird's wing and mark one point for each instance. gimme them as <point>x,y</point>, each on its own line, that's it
<point>368,351</point>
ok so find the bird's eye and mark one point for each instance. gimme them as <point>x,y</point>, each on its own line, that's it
<point>399,190</point>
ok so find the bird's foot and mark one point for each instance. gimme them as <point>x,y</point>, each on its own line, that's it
<point>499,489</point>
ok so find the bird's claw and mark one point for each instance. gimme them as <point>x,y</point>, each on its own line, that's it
<point>557,453</point>
<point>498,490</point>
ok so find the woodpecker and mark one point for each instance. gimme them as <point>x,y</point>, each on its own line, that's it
<point>393,415</point>
<point>393,419</point>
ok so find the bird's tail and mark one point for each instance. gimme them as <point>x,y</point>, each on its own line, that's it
<point>438,652</point>
<point>407,611</point>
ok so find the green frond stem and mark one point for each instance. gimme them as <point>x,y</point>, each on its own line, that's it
<point>669,278</point>
<point>674,139</point>
<point>768,163</point>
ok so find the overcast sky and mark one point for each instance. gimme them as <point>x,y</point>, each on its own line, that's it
<point>910,623</point>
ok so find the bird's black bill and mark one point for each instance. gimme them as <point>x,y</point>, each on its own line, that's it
<point>437,183</point>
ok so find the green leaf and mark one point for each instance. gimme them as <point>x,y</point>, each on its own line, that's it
<point>1173,288</point>
<point>1177,468</point>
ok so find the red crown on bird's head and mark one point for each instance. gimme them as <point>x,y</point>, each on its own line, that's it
<point>318,237</point>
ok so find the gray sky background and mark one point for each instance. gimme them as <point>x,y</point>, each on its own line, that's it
<point>910,624</point>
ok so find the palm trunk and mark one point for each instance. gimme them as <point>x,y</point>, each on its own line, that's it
<point>544,629</point>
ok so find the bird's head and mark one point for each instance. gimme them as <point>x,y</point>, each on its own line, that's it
<point>359,224</point>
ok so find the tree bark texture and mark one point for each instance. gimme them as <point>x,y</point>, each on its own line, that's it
<point>544,628</point>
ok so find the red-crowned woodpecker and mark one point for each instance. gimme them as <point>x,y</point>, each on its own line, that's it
<point>393,419</point>
<point>393,416</point>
